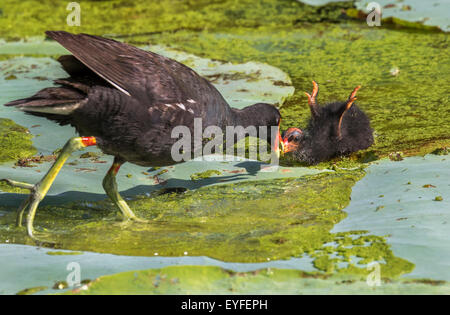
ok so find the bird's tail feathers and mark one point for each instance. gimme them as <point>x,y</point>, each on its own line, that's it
<point>55,100</point>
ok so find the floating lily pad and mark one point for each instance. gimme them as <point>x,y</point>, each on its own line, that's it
<point>197,280</point>
<point>416,224</point>
<point>31,291</point>
<point>46,270</point>
<point>320,2</point>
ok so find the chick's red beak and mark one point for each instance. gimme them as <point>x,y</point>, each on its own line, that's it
<point>288,141</point>
<point>285,145</point>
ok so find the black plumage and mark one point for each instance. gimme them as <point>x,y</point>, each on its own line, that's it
<point>130,99</point>
<point>336,129</point>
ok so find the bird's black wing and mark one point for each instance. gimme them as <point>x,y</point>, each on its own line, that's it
<point>133,71</point>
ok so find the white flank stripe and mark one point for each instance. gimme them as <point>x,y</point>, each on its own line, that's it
<point>181,106</point>
<point>58,110</point>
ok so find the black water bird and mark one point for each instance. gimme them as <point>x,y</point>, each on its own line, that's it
<point>126,101</point>
<point>335,129</point>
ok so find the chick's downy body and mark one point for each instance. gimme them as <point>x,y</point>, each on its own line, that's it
<point>336,129</point>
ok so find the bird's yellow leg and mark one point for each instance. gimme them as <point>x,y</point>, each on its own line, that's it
<point>39,190</point>
<point>110,186</point>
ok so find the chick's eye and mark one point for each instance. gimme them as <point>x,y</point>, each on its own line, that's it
<point>294,138</point>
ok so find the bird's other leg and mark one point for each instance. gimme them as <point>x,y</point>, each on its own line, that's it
<point>39,190</point>
<point>110,186</point>
<point>351,99</point>
<point>25,203</point>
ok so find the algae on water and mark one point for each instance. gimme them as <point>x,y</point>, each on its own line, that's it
<point>340,57</point>
<point>252,221</point>
<point>15,144</point>
<point>205,174</point>
<point>122,17</point>
<point>31,291</point>
<point>15,141</point>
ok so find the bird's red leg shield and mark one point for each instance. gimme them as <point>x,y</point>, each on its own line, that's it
<point>88,141</point>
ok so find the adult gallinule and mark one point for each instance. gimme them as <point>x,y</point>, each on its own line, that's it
<point>335,129</point>
<point>126,101</point>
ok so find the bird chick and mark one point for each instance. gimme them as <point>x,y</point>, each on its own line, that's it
<point>335,129</point>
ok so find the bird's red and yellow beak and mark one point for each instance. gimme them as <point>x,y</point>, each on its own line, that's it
<point>289,146</point>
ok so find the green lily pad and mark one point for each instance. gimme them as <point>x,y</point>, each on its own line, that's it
<point>416,224</point>
<point>46,270</point>
<point>198,280</point>
<point>31,291</point>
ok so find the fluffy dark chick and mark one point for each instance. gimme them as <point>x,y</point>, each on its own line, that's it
<point>335,129</point>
